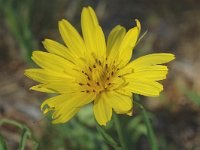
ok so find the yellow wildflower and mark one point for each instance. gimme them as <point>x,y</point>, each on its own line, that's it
<point>87,70</point>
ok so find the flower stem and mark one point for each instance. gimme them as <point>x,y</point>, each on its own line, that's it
<point>119,132</point>
<point>150,133</point>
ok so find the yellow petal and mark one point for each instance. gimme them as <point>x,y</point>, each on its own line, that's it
<point>120,103</point>
<point>92,33</point>
<point>102,111</point>
<point>138,24</point>
<point>53,62</point>
<point>115,38</point>
<point>63,87</point>
<point>100,43</point>
<point>58,49</point>
<point>145,87</point>
<point>41,88</point>
<point>155,73</point>
<point>66,116</point>
<point>45,76</point>
<point>74,100</point>
<point>66,105</point>
<point>71,37</point>
<point>128,43</point>
<point>151,59</point>
<point>88,25</point>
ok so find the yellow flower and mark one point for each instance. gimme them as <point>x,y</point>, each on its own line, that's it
<point>87,70</point>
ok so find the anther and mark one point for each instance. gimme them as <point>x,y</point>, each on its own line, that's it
<point>94,91</point>
<point>88,78</point>
<point>80,83</point>
<point>108,78</point>
<point>109,83</point>
<point>82,71</point>
<point>90,69</point>
<point>82,91</point>
<point>88,84</point>
<point>106,66</point>
<point>87,91</point>
<point>112,73</point>
<point>98,83</point>
<point>99,62</point>
<point>94,66</point>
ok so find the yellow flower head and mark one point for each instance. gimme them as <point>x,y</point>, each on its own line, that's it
<point>87,70</point>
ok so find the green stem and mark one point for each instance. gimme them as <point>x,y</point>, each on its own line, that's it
<point>150,133</point>
<point>2,143</point>
<point>12,122</point>
<point>22,143</point>
<point>26,132</point>
<point>119,132</point>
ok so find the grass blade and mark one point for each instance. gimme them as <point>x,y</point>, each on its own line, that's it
<point>150,133</point>
<point>108,138</point>
<point>2,143</point>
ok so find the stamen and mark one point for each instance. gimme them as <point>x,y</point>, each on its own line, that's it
<point>90,69</point>
<point>94,66</point>
<point>98,83</point>
<point>87,91</point>
<point>88,84</point>
<point>80,84</point>
<point>106,66</point>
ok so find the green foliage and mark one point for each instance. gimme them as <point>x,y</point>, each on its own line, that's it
<point>150,133</point>
<point>2,143</point>
<point>108,138</point>
<point>26,134</point>
<point>17,15</point>
<point>137,128</point>
<point>195,98</point>
<point>78,133</point>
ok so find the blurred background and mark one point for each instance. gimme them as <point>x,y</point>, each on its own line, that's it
<point>173,26</point>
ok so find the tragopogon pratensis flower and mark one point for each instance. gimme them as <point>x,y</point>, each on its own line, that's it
<point>90,70</point>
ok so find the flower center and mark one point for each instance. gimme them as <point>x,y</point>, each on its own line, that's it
<point>99,76</point>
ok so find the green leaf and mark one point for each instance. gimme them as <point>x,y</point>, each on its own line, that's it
<point>150,133</point>
<point>108,138</point>
<point>26,133</point>
<point>2,143</point>
<point>141,130</point>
